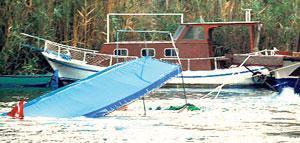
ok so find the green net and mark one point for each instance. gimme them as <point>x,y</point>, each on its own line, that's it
<point>190,107</point>
<point>175,107</point>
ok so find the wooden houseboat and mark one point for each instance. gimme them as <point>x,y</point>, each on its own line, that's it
<point>193,42</point>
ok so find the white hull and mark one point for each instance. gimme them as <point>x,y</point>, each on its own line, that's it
<point>74,70</point>
<point>71,69</point>
<point>232,76</point>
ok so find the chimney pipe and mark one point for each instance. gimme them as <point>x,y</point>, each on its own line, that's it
<point>248,15</point>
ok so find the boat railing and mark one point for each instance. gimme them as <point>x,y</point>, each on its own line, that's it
<point>39,40</point>
<point>90,57</point>
<point>189,60</point>
<point>266,52</point>
<point>75,54</point>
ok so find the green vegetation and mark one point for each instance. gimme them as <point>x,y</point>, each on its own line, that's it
<point>83,23</point>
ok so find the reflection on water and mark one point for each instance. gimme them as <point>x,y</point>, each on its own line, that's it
<point>10,96</point>
<point>237,115</point>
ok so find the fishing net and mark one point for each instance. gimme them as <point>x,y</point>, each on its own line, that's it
<point>189,107</point>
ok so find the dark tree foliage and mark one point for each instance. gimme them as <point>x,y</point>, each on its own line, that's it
<point>83,23</point>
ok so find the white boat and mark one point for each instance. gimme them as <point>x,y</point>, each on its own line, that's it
<point>193,52</point>
<point>230,76</point>
<point>75,63</point>
<point>191,47</point>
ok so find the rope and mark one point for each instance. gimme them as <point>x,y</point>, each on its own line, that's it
<point>222,85</point>
<point>179,62</point>
<point>285,67</point>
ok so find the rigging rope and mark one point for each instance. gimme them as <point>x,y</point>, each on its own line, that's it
<point>219,88</point>
<point>179,62</point>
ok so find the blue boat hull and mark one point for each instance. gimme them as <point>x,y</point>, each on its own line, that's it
<point>279,84</point>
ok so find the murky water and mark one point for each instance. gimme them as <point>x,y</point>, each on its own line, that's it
<point>237,115</point>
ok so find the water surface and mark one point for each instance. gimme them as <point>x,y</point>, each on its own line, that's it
<point>236,115</point>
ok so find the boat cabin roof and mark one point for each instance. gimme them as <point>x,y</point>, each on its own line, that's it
<point>199,33</point>
<point>140,42</point>
<point>233,23</point>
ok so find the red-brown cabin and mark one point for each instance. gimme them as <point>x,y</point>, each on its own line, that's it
<point>193,41</point>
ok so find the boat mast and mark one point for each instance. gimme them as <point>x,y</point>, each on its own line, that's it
<point>252,40</point>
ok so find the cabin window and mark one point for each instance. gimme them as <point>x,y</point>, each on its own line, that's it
<point>195,33</point>
<point>148,52</point>
<point>121,52</point>
<point>170,52</point>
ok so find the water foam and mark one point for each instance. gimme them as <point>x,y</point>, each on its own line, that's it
<point>288,94</point>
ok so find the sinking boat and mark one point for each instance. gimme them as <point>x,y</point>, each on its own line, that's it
<point>103,92</point>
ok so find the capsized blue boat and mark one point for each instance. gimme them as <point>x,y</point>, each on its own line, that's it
<point>105,91</point>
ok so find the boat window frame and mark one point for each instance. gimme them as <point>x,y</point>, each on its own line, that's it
<point>141,52</point>
<point>193,28</point>
<point>121,49</point>
<point>178,32</point>
<point>171,54</point>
